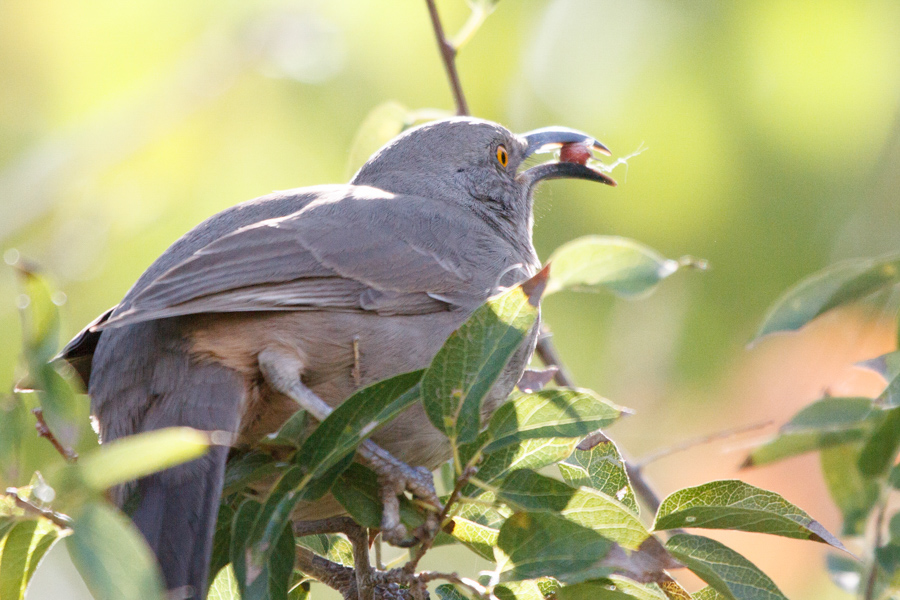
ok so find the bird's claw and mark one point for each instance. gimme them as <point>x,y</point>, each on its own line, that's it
<point>396,477</point>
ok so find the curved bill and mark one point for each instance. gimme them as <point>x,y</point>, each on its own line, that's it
<point>549,138</point>
<point>546,139</point>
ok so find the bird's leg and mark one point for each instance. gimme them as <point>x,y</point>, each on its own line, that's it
<point>282,371</point>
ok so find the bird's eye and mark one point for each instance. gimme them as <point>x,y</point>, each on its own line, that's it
<point>502,155</point>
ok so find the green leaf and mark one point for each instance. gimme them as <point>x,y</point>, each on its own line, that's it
<point>224,586</point>
<point>478,538</point>
<point>526,490</point>
<point>708,593</point>
<point>542,544</point>
<point>134,456</point>
<point>40,335</point>
<point>603,469</point>
<point>355,419</point>
<point>15,425</point>
<point>221,548</point>
<point>728,572</point>
<point>886,365</point>
<point>828,422</point>
<point>519,590</point>
<point>243,521</point>
<point>470,361</point>
<point>449,591</point>
<point>894,529</point>
<point>891,394</point>
<point>291,434</point>
<point>331,546</point>
<point>299,587</point>
<point>14,558</point>
<point>112,557</point>
<point>888,558</point>
<point>854,495</point>
<point>604,263</point>
<point>530,454</point>
<point>358,491</point>
<point>593,590</point>
<point>830,288</point>
<point>551,413</point>
<point>894,477</point>
<point>733,504</point>
<point>248,468</point>
<point>880,449</point>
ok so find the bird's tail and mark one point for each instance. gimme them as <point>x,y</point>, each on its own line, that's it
<point>176,509</point>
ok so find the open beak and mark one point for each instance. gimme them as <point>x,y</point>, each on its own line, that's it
<point>550,138</point>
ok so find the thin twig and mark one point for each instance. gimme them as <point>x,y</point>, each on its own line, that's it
<point>57,519</point>
<point>426,544</point>
<point>448,53</point>
<point>548,355</point>
<point>44,431</point>
<point>699,441</point>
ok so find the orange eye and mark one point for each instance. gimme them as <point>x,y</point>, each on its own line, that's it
<point>502,156</point>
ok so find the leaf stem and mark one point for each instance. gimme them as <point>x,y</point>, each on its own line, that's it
<point>44,431</point>
<point>448,54</point>
<point>427,543</point>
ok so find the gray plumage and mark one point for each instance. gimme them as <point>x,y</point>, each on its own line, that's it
<point>427,230</point>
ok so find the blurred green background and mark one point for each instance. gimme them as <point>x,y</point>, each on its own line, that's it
<point>771,137</point>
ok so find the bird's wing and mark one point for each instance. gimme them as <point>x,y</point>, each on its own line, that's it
<point>353,248</point>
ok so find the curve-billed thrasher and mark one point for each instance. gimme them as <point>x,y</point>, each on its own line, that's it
<point>307,295</point>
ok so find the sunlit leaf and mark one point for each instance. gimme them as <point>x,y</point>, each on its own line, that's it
<point>331,546</point>
<point>604,263</point>
<point>519,590</point>
<point>593,590</point>
<point>603,469</point>
<point>733,504</point>
<point>539,544</point>
<point>728,572</point>
<point>530,454</point>
<point>853,494</point>
<point>224,586</point>
<point>529,491</point>
<point>472,358</point>
<point>449,591</point>
<point>708,593</point>
<point>355,419</point>
<point>831,287</point>
<point>479,538</point>
<point>20,551</point>
<point>552,413</point>
<point>134,456</point>
<point>112,557</point>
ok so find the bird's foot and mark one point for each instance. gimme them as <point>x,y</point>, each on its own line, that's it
<point>396,477</point>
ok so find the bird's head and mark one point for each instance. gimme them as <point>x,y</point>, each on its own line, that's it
<point>478,163</point>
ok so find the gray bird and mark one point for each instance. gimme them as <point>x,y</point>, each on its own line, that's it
<point>300,298</point>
